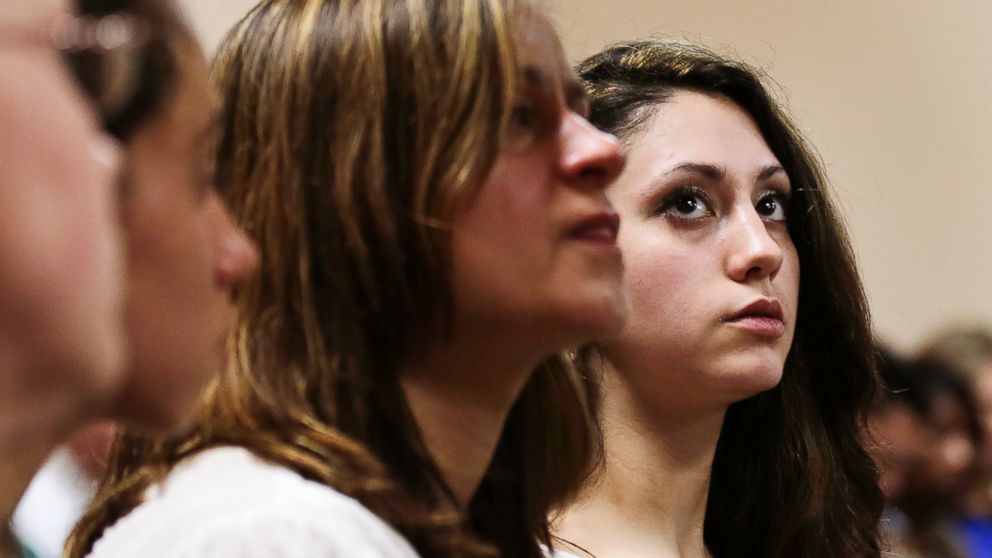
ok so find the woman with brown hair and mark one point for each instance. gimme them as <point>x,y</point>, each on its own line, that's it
<point>733,400</point>
<point>428,201</point>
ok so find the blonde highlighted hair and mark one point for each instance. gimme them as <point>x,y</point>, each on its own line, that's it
<point>352,131</point>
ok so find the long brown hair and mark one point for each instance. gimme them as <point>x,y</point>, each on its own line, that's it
<point>790,477</point>
<point>351,132</point>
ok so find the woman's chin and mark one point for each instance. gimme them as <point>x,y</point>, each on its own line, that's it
<point>598,320</point>
<point>752,378</point>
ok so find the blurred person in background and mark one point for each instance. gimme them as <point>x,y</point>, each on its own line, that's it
<point>898,437</point>
<point>933,451</point>
<point>967,351</point>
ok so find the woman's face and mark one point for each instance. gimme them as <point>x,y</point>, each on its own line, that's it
<point>983,400</point>
<point>534,253</point>
<point>899,440</point>
<point>60,243</point>
<point>711,272</point>
<point>951,451</point>
<point>185,255</point>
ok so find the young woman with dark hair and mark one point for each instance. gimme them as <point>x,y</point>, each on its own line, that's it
<point>733,401</point>
<point>428,200</point>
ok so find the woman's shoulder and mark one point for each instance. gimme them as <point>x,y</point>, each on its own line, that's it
<point>228,502</point>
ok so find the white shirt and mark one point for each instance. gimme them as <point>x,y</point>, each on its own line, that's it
<point>54,502</point>
<point>228,503</point>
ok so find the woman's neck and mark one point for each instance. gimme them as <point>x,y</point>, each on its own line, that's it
<point>31,425</point>
<point>38,408</point>
<point>460,394</point>
<point>649,500</point>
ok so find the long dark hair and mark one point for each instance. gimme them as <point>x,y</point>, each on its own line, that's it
<point>351,132</point>
<point>790,477</point>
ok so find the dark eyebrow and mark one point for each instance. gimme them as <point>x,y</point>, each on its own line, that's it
<point>534,77</point>
<point>770,171</point>
<point>711,172</point>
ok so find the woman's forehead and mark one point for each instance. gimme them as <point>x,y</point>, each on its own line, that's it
<point>539,48</point>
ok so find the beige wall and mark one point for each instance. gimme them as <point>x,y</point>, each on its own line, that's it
<point>894,93</point>
<point>212,18</point>
<point>896,96</point>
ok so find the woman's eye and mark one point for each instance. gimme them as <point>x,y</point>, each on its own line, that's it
<point>686,205</point>
<point>523,117</point>
<point>772,207</point>
<point>524,126</point>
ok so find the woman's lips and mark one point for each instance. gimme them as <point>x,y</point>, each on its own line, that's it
<point>762,326</point>
<point>762,317</point>
<point>600,228</point>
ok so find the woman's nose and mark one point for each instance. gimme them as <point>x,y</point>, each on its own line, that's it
<point>237,256</point>
<point>753,253</point>
<point>590,158</point>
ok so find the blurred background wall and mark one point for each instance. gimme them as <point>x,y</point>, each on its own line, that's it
<point>895,94</point>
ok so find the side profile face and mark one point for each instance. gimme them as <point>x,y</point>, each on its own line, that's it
<point>60,245</point>
<point>185,254</point>
<point>534,252</point>
<point>947,464</point>
<point>899,441</point>
<point>983,400</point>
<point>711,272</point>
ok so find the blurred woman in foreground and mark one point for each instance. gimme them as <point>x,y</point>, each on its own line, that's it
<point>61,289</point>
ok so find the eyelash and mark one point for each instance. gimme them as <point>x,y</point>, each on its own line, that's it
<point>523,115</point>
<point>685,193</point>
<point>682,194</point>
<point>782,199</point>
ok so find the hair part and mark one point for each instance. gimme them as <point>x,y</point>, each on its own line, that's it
<point>790,476</point>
